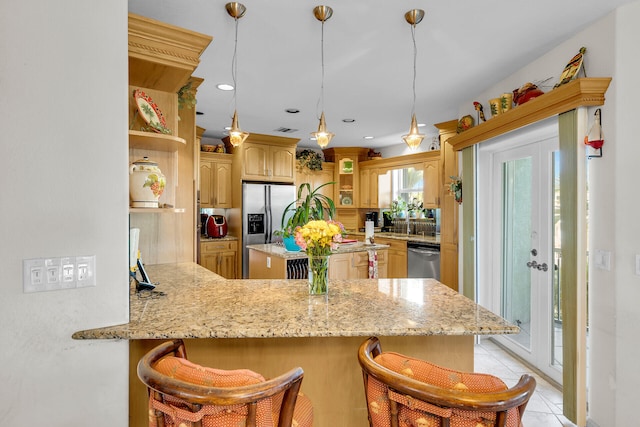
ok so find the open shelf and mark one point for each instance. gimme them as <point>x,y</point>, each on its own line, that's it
<point>155,141</point>
<point>578,93</point>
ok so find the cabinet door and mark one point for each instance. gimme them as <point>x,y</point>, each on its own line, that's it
<point>222,185</point>
<point>431,176</point>
<point>210,262</point>
<point>255,161</point>
<point>282,164</point>
<point>227,265</point>
<point>339,266</point>
<point>206,187</point>
<point>322,177</point>
<point>364,188</point>
<point>360,268</point>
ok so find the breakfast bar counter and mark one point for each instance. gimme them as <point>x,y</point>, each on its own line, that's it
<point>270,326</point>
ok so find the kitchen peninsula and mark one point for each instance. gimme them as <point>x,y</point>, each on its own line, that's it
<point>270,326</point>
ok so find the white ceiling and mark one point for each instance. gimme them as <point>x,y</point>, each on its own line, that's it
<point>463,47</point>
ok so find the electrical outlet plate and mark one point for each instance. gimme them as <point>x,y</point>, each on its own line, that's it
<point>50,274</point>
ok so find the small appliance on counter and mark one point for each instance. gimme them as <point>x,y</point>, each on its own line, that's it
<point>372,216</point>
<point>216,226</point>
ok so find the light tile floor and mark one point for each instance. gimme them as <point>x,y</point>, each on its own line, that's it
<point>545,406</point>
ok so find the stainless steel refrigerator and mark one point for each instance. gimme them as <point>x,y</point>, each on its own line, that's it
<point>262,209</point>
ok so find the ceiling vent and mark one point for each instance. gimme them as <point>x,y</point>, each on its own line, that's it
<point>286,130</point>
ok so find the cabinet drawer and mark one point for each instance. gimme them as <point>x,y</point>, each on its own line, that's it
<point>223,245</point>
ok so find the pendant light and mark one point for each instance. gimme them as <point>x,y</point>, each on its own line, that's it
<point>236,135</point>
<point>322,136</point>
<point>413,139</point>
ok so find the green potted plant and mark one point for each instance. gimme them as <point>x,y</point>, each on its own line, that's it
<point>309,205</point>
<point>398,207</point>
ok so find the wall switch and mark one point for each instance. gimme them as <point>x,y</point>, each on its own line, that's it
<point>637,265</point>
<point>86,271</point>
<point>33,275</point>
<point>602,259</point>
<point>50,274</point>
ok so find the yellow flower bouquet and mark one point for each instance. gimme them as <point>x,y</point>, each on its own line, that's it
<point>318,238</point>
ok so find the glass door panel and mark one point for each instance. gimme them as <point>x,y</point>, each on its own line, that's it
<point>516,246</point>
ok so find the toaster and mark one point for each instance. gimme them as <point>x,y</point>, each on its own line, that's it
<point>216,226</point>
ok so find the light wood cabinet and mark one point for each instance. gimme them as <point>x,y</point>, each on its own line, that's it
<point>215,180</point>
<point>267,161</point>
<point>431,183</point>
<point>161,60</point>
<point>219,257</point>
<point>317,177</point>
<point>369,188</point>
<point>355,265</point>
<point>448,208</point>
<point>396,262</point>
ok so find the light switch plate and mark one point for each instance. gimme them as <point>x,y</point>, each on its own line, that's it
<point>50,274</point>
<point>637,265</point>
<point>602,259</point>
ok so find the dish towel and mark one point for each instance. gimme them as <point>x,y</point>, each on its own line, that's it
<point>373,264</point>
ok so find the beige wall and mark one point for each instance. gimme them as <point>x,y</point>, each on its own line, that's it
<point>63,172</point>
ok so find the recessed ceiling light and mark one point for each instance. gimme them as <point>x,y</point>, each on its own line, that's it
<point>348,120</point>
<point>227,128</point>
<point>224,86</point>
<point>367,137</point>
<point>292,110</point>
<point>420,125</point>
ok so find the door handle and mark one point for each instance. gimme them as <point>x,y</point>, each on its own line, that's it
<point>532,264</point>
<point>543,266</point>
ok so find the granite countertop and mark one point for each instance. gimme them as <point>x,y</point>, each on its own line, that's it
<point>192,302</point>
<point>279,251</point>
<point>402,236</point>
<point>204,239</point>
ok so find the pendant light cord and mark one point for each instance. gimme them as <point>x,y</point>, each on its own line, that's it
<point>321,99</point>
<point>415,55</point>
<point>234,68</point>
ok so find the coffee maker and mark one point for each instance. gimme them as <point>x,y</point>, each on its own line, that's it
<point>372,216</point>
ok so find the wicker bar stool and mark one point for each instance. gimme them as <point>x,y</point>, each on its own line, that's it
<point>403,391</point>
<point>183,393</point>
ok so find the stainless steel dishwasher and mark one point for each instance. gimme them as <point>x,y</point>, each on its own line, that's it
<point>423,260</point>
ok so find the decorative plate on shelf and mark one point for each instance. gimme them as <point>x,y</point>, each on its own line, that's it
<point>347,201</point>
<point>150,112</point>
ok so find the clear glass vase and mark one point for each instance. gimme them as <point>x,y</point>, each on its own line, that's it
<point>318,274</point>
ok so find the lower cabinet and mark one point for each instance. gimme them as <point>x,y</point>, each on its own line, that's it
<point>220,257</point>
<point>352,265</point>
<point>397,258</point>
<point>355,265</point>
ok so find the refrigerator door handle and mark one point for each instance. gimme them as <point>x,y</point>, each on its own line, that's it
<point>267,210</point>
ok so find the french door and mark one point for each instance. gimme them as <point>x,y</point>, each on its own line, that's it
<point>519,243</point>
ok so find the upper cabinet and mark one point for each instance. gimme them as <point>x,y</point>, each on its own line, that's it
<point>346,175</point>
<point>215,180</point>
<point>369,188</point>
<point>316,178</point>
<point>265,158</point>
<point>431,183</point>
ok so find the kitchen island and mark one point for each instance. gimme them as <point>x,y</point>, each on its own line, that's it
<point>270,326</point>
<point>348,261</point>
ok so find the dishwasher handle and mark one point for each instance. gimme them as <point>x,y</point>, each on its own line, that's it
<point>424,251</point>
